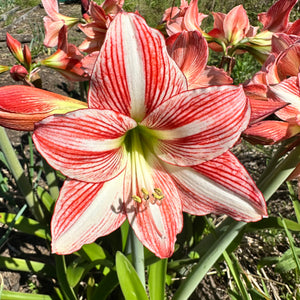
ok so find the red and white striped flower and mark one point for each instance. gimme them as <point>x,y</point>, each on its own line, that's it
<point>146,148</point>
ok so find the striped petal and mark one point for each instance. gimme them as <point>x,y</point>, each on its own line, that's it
<point>236,24</point>
<point>288,62</point>
<point>276,19</point>
<point>260,109</point>
<point>86,211</point>
<point>135,74</point>
<point>198,125</point>
<point>190,51</point>
<point>287,91</point>
<point>210,76</point>
<point>155,222</point>
<point>269,132</point>
<point>84,145</point>
<point>192,18</point>
<point>220,186</point>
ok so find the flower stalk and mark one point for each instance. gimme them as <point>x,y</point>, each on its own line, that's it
<point>138,257</point>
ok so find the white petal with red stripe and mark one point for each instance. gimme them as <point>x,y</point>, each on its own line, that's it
<point>133,73</point>
<point>86,211</point>
<point>288,91</point>
<point>86,144</point>
<point>198,125</point>
<point>220,186</point>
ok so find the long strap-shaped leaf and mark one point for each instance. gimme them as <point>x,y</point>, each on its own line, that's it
<point>130,283</point>
<point>8,295</point>
<point>207,260</point>
<point>19,175</point>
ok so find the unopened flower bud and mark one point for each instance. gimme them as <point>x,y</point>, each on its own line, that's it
<point>18,73</point>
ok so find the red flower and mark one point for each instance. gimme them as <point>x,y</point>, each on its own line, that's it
<point>146,149</point>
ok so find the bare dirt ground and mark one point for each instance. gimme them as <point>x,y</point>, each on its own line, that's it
<point>24,27</point>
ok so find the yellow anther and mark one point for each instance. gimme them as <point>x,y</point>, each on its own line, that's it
<point>136,198</point>
<point>158,194</point>
<point>145,194</point>
<point>158,197</point>
<point>158,191</point>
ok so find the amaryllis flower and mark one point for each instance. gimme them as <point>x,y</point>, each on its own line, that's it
<point>15,48</point>
<point>4,68</point>
<point>190,52</point>
<point>54,22</point>
<point>95,29</point>
<point>277,84</point>
<point>276,19</point>
<point>18,72</point>
<point>67,59</point>
<point>187,17</point>
<point>146,148</point>
<point>230,29</point>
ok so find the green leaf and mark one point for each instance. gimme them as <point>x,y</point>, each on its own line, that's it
<point>96,255</point>
<point>287,262</point>
<point>22,265</point>
<point>12,223</point>
<point>124,233</point>
<point>75,272</point>
<point>268,261</point>
<point>207,260</point>
<point>157,280</point>
<point>273,222</point>
<point>293,248</point>
<point>46,198</point>
<point>3,160</point>
<point>130,283</point>
<point>8,295</point>
<point>61,272</point>
<point>106,286</point>
<point>93,252</point>
<point>25,225</point>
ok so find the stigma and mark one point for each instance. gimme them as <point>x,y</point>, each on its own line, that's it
<point>155,197</point>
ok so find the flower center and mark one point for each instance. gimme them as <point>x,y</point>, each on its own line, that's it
<point>143,187</point>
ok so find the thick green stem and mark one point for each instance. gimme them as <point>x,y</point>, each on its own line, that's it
<point>19,175</point>
<point>138,256</point>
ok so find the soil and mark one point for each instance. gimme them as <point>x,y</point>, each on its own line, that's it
<point>252,248</point>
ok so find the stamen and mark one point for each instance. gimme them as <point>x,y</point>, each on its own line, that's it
<point>136,198</point>
<point>158,194</point>
<point>158,202</point>
<point>145,194</point>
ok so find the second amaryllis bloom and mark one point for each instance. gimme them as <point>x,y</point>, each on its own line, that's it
<point>146,148</point>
